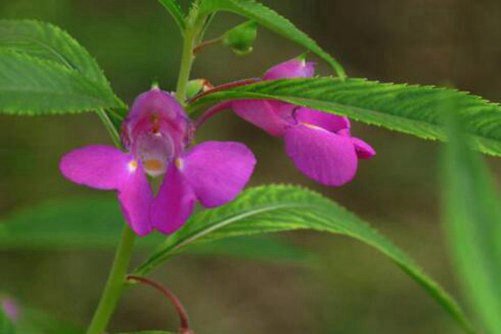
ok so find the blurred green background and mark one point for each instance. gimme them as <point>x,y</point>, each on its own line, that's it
<point>349,288</point>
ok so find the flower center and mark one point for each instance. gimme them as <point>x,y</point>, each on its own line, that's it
<point>154,166</point>
<point>156,150</point>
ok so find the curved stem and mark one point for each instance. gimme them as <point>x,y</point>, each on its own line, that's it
<point>181,311</point>
<point>197,49</point>
<point>212,111</point>
<point>114,285</point>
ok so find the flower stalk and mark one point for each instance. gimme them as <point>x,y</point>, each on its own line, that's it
<point>115,283</point>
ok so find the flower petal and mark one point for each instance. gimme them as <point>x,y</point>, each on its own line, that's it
<point>158,103</point>
<point>218,171</point>
<point>135,198</point>
<point>174,202</point>
<point>330,122</point>
<point>263,114</point>
<point>294,68</point>
<point>323,156</point>
<point>96,166</point>
<point>10,308</point>
<point>156,113</point>
<point>364,150</point>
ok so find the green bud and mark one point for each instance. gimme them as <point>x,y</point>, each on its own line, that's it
<point>196,86</point>
<point>241,38</point>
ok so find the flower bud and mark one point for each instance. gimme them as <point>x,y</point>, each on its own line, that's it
<point>241,38</point>
<point>197,86</point>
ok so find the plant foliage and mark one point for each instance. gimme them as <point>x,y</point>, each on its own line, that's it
<point>284,208</point>
<point>273,21</point>
<point>473,225</point>
<point>43,70</point>
<point>410,109</point>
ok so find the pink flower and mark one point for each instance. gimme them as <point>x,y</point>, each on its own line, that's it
<point>10,308</point>
<point>320,144</point>
<point>157,134</point>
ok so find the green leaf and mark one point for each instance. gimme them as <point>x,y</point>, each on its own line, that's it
<point>176,12</point>
<point>96,223</point>
<point>53,46</point>
<point>410,109</point>
<point>6,326</point>
<point>46,41</point>
<point>283,208</point>
<point>87,222</point>
<point>35,321</point>
<point>30,86</point>
<point>273,250</point>
<point>273,21</point>
<point>473,225</point>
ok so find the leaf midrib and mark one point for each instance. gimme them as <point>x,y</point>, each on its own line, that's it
<point>224,221</point>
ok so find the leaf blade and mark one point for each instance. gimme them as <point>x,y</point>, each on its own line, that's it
<point>473,224</point>
<point>411,109</point>
<point>83,223</point>
<point>173,8</point>
<point>51,44</point>
<point>6,326</point>
<point>30,86</point>
<point>285,208</point>
<point>270,19</point>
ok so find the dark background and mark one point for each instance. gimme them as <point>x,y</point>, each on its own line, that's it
<point>352,289</point>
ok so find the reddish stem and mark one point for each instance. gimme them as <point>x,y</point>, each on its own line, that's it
<point>225,86</point>
<point>221,106</point>
<point>205,44</point>
<point>211,112</point>
<point>181,311</point>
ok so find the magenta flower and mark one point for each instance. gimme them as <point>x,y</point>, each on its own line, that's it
<point>319,143</point>
<point>10,308</point>
<point>156,134</point>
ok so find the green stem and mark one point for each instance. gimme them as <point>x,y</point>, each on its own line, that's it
<point>114,285</point>
<point>195,28</point>
<point>112,131</point>
<point>187,58</point>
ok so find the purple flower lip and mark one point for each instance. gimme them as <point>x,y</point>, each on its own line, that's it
<point>156,134</point>
<point>320,144</point>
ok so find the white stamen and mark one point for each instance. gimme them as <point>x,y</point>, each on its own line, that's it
<point>132,166</point>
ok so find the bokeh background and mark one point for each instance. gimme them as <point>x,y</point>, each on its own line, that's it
<point>348,288</point>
